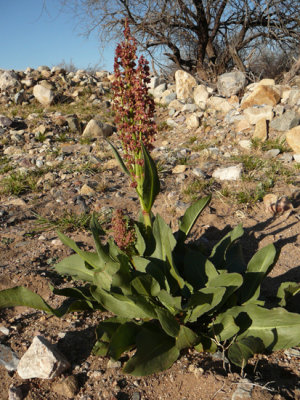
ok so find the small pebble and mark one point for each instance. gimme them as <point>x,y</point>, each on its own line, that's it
<point>114,364</point>
<point>4,330</point>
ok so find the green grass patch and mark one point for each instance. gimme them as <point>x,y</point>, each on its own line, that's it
<point>69,221</point>
<point>269,144</point>
<point>17,183</point>
<point>5,165</point>
<point>197,188</point>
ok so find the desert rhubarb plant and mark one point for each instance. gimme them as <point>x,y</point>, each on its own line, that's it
<point>164,294</point>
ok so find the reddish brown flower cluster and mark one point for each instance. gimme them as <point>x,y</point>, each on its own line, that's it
<point>122,231</point>
<point>133,105</point>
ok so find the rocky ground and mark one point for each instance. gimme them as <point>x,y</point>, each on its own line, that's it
<point>56,169</point>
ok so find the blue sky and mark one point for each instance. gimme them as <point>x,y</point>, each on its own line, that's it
<point>32,36</point>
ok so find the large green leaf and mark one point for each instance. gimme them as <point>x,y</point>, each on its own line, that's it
<point>140,244</point>
<point>218,254</point>
<point>145,285</point>
<point>226,280</point>
<point>123,339</point>
<point>79,299</point>
<point>119,158</point>
<point>82,293</point>
<point>151,185</point>
<point>154,267</point>
<point>258,267</point>
<point>235,261</point>
<point>96,231</point>
<point>21,296</point>
<point>164,239</point>
<point>155,352</point>
<point>75,266</point>
<point>286,291</point>
<point>102,279</point>
<point>204,301</point>
<point>91,258</point>
<point>240,351</point>
<point>165,244</point>
<point>167,321</point>
<point>224,327</point>
<point>277,328</point>
<point>122,278</point>
<point>198,269</point>
<point>190,217</point>
<point>186,338</point>
<point>124,306</point>
<point>104,332</point>
<point>231,282</point>
<point>173,304</point>
<point>140,263</point>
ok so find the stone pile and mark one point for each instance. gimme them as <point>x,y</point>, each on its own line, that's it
<point>230,108</point>
<point>258,108</point>
<point>49,86</point>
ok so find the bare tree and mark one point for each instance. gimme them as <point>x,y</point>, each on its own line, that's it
<point>196,35</point>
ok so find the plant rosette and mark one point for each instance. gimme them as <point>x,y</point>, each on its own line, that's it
<point>166,296</point>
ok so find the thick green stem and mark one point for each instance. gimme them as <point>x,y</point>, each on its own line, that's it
<point>146,215</point>
<point>147,220</point>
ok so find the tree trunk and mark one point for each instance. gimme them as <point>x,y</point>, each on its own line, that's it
<point>201,70</point>
<point>236,59</point>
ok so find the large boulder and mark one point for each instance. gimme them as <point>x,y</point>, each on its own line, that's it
<point>219,104</point>
<point>294,97</point>
<point>261,95</point>
<point>8,79</point>
<point>261,130</point>
<point>254,114</point>
<point>5,122</point>
<point>44,94</point>
<point>286,121</point>
<point>176,105</point>
<point>185,84</point>
<point>231,83</point>
<point>158,91</point>
<point>293,139</point>
<point>96,128</point>
<point>192,121</point>
<point>200,95</point>
<point>42,360</point>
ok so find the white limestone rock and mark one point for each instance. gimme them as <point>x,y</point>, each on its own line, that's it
<point>192,121</point>
<point>219,104</point>
<point>293,139</point>
<point>8,79</point>
<point>254,114</point>
<point>42,360</point>
<point>97,128</point>
<point>43,94</point>
<point>232,173</point>
<point>231,83</point>
<point>185,84</point>
<point>296,158</point>
<point>245,144</point>
<point>200,95</point>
